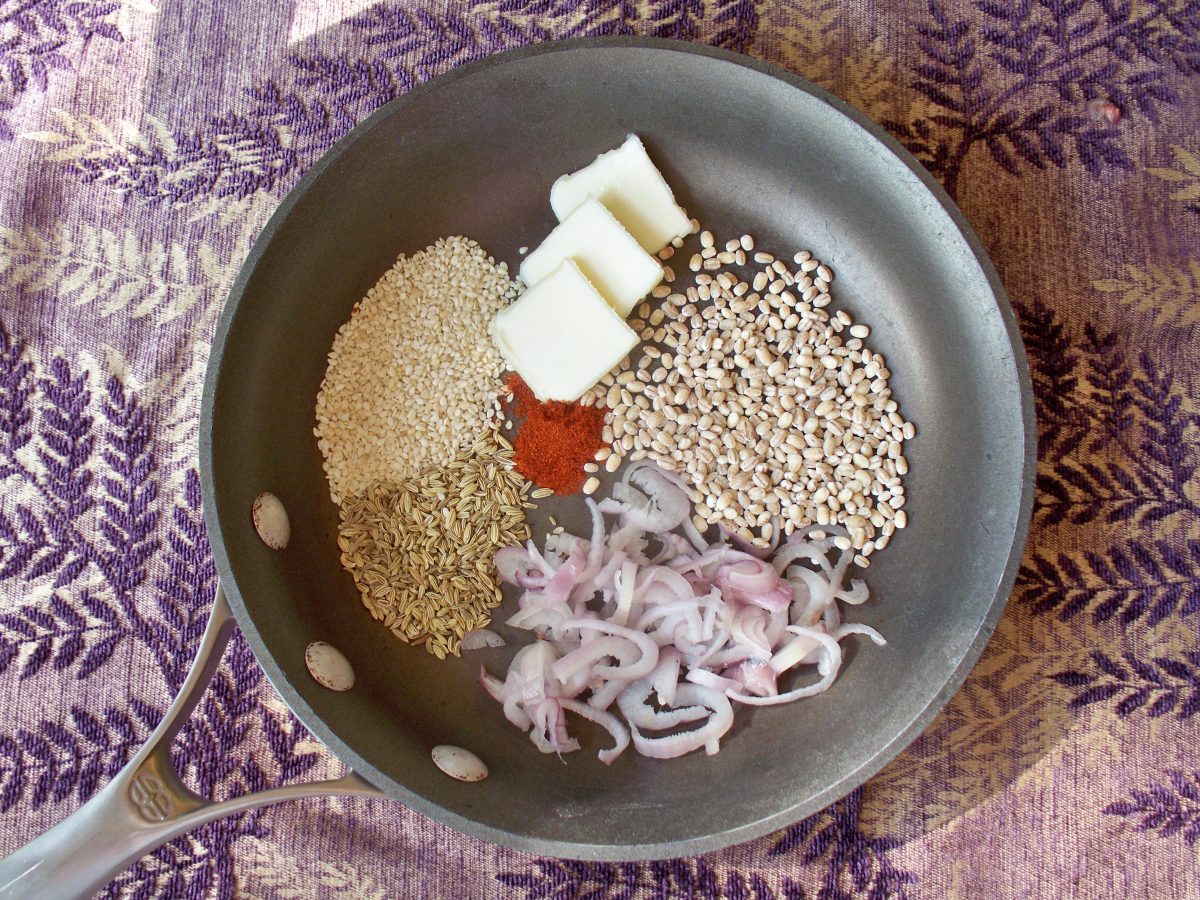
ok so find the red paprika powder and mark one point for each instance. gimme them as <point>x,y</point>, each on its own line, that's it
<point>555,440</point>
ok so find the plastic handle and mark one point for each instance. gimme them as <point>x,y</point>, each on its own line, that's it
<point>146,804</point>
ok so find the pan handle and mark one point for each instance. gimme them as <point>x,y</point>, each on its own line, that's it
<point>146,804</point>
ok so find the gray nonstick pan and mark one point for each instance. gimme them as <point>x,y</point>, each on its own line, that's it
<point>747,148</point>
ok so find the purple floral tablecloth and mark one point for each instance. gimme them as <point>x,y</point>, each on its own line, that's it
<point>144,142</point>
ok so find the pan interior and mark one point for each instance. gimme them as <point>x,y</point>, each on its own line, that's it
<point>746,151</point>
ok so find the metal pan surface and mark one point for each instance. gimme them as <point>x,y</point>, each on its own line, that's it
<point>748,148</point>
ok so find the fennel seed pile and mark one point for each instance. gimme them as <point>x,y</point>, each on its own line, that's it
<point>420,549</point>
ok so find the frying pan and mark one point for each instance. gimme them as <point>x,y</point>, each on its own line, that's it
<point>747,147</point>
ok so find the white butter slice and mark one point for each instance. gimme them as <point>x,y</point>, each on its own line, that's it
<point>605,252</point>
<point>561,336</point>
<point>629,184</point>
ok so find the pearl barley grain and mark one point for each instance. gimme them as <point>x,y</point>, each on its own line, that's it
<point>770,407</point>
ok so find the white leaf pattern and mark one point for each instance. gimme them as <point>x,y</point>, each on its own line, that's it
<point>88,263</point>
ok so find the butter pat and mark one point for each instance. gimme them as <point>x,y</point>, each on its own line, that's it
<point>627,182</point>
<point>605,252</point>
<point>561,336</point>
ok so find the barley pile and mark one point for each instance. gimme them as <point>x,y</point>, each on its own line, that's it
<point>765,399</point>
<point>413,376</point>
<point>420,549</point>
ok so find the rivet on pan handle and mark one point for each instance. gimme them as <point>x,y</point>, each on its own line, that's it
<point>146,804</point>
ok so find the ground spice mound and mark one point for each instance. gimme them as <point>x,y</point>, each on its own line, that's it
<point>555,440</point>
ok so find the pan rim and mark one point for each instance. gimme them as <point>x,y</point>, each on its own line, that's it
<point>631,852</point>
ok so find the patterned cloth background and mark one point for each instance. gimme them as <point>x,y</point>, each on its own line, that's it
<point>144,142</point>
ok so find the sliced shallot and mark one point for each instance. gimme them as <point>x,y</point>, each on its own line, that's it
<point>652,634</point>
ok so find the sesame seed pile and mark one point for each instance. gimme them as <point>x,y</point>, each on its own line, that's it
<point>421,549</point>
<point>413,376</point>
<point>765,400</point>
